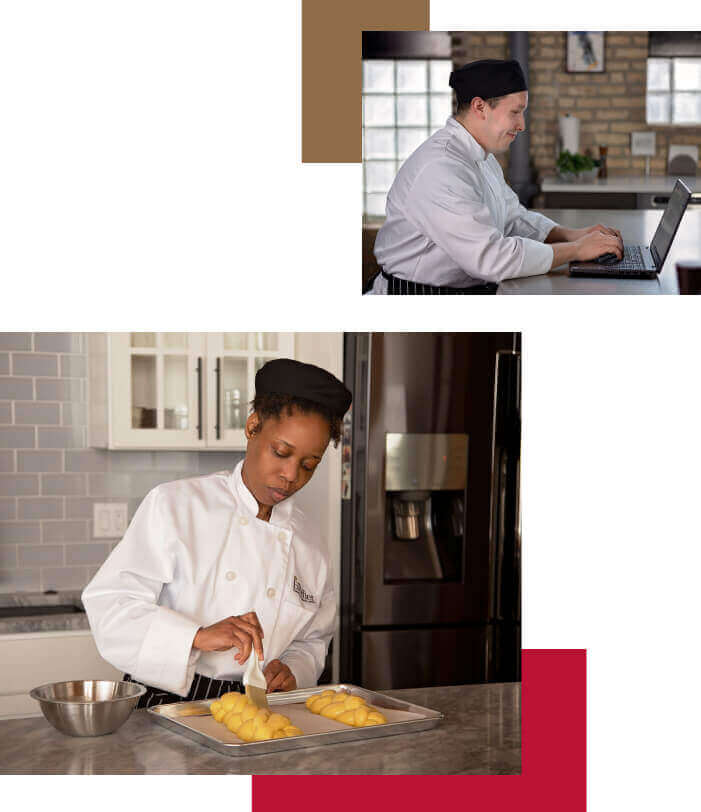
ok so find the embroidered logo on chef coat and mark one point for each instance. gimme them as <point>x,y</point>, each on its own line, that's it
<point>305,596</point>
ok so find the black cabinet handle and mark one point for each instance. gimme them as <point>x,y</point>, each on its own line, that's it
<point>199,398</point>
<point>217,426</point>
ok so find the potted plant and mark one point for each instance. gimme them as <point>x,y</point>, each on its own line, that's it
<point>576,167</point>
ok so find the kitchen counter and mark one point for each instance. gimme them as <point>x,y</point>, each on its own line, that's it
<point>25,612</point>
<point>637,227</point>
<point>481,734</point>
<point>638,184</point>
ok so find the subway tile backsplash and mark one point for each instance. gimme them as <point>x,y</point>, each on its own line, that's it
<point>50,479</point>
<point>39,461</point>
<point>46,414</point>
<point>17,341</point>
<point>16,388</point>
<point>28,363</point>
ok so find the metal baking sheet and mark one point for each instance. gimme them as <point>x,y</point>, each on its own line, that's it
<point>408,718</point>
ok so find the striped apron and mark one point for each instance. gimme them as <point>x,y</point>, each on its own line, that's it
<point>403,287</point>
<point>202,688</point>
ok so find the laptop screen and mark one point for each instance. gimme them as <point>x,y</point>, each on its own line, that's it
<point>669,223</point>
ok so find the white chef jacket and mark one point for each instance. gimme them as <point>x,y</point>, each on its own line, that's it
<point>452,220</point>
<point>194,554</point>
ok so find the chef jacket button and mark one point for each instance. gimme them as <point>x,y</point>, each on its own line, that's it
<point>243,520</point>
<point>282,535</point>
<point>230,576</point>
<point>271,593</point>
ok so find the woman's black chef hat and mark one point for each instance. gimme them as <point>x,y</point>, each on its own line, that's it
<point>488,79</point>
<point>283,376</point>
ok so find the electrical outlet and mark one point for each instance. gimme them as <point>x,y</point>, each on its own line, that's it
<point>109,520</point>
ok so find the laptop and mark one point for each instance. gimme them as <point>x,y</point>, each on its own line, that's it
<point>641,261</point>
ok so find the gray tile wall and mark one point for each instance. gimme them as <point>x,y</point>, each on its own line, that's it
<point>50,479</point>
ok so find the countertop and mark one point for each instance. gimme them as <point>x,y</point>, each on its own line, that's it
<point>637,227</point>
<point>481,734</point>
<point>643,184</point>
<point>34,602</point>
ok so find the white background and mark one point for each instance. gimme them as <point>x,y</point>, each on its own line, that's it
<point>150,178</point>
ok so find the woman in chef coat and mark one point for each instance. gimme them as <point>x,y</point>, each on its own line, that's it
<point>216,567</point>
<point>453,225</point>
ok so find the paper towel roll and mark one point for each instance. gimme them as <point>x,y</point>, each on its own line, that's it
<point>569,133</point>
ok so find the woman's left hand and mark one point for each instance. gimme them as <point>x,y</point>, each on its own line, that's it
<point>279,677</point>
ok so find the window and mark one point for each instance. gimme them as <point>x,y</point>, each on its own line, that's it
<point>404,101</point>
<point>674,90</point>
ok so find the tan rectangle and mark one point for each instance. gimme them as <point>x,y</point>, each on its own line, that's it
<point>332,70</point>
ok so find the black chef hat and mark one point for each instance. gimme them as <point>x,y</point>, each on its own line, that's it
<point>488,79</point>
<point>283,376</point>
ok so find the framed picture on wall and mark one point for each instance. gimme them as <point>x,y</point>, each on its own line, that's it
<point>585,52</point>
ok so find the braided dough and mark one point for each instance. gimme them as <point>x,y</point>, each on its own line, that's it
<point>346,708</point>
<point>248,721</point>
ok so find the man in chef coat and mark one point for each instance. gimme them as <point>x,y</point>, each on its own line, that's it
<point>453,225</point>
<point>216,568</point>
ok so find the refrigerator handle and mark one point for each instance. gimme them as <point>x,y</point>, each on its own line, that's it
<point>505,463</point>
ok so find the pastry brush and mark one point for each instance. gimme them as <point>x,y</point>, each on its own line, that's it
<point>254,682</point>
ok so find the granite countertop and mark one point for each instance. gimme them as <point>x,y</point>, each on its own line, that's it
<point>14,622</point>
<point>481,734</point>
<point>644,184</point>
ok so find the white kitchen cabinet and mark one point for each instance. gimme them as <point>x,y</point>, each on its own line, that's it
<point>233,360</point>
<point>175,390</point>
<point>37,658</point>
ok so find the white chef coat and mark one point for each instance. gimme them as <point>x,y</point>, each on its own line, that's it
<point>452,220</point>
<point>194,554</point>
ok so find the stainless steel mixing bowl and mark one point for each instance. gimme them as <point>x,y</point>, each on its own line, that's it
<point>87,707</point>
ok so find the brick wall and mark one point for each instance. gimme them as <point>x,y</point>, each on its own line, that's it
<point>610,105</point>
<point>50,479</point>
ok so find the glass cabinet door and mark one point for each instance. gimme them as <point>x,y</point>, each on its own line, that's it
<point>159,380</point>
<point>233,360</point>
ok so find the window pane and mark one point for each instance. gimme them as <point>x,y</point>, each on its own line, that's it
<point>412,110</point>
<point>233,393</point>
<point>235,409</point>
<point>409,139</point>
<point>266,341</point>
<point>412,76</point>
<point>686,108</point>
<point>379,110</point>
<point>440,74</point>
<point>175,340</point>
<point>379,143</point>
<point>379,175</point>
<point>143,339</point>
<point>375,203</point>
<point>441,109</point>
<point>658,74</point>
<point>175,392</point>
<point>378,76</point>
<point>687,74</point>
<point>143,391</point>
<point>658,108</point>
<point>235,341</point>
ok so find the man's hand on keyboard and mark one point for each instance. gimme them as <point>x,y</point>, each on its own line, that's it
<point>599,227</point>
<point>595,242</point>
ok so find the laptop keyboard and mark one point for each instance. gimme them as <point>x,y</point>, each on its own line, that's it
<point>632,259</point>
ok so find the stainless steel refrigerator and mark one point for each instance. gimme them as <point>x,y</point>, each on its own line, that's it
<point>430,557</point>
